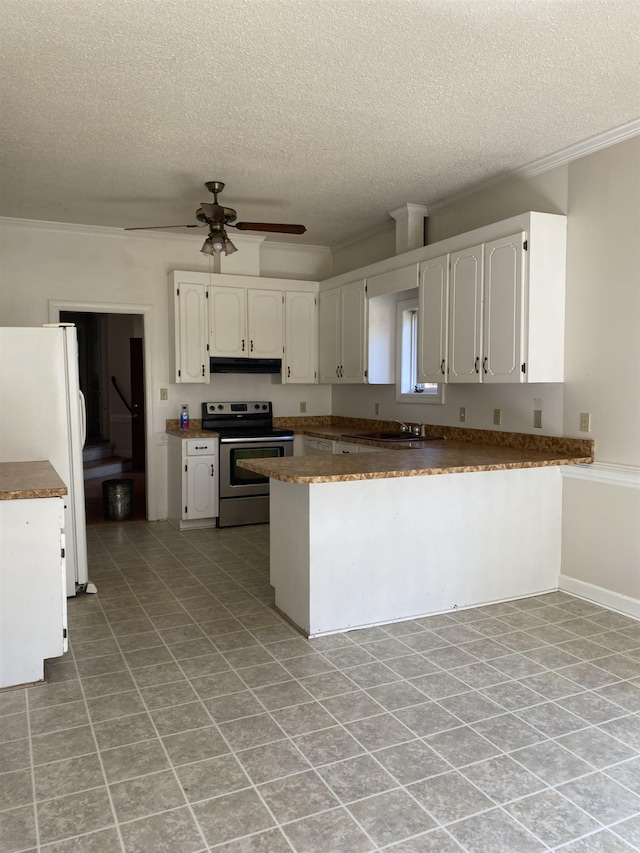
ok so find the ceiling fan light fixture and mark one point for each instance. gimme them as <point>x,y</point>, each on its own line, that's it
<point>217,243</point>
<point>208,248</point>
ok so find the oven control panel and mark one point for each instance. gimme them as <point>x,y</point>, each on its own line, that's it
<point>259,407</point>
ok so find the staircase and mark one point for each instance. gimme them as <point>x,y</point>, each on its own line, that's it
<point>99,462</point>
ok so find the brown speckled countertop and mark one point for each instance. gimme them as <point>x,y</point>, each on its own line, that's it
<point>463,450</point>
<point>23,480</point>
<point>438,457</point>
<point>172,427</point>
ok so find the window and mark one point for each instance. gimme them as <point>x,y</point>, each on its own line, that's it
<point>408,389</point>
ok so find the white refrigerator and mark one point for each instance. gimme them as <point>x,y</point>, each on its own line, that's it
<point>42,416</point>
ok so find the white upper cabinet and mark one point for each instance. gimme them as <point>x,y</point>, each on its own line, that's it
<point>245,322</point>
<point>265,323</point>
<point>494,312</point>
<point>188,334</point>
<point>342,336</point>
<point>433,311</point>
<point>502,350</point>
<point>300,338</point>
<point>228,321</point>
<point>353,333</point>
<point>329,320</point>
<point>465,315</point>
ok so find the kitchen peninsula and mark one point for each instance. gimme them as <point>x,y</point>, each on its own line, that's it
<point>369,538</point>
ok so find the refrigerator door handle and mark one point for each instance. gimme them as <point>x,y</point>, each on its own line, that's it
<point>83,417</point>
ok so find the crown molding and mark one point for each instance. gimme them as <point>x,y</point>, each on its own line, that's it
<point>552,161</point>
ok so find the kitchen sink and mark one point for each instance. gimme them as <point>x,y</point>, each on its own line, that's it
<point>392,436</point>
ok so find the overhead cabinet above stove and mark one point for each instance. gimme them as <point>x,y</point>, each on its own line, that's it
<point>245,319</point>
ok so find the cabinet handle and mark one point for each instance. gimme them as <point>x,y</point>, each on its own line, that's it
<point>338,371</point>
<point>475,366</point>
<point>243,345</point>
<point>484,364</point>
<point>442,367</point>
<point>203,369</point>
<point>251,346</point>
<point>212,472</point>
<point>288,371</point>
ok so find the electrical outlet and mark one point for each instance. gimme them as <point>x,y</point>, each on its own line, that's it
<point>463,414</point>
<point>585,421</point>
<point>537,418</point>
<point>303,407</point>
<point>497,417</point>
<point>164,393</point>
<point>376,408</point>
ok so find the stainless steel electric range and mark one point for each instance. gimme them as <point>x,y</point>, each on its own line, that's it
<point>246,432</point>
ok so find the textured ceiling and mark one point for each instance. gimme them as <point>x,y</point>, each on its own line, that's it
<point>325,112</point>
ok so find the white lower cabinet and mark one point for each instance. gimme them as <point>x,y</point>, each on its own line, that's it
<point>348,447</point>
<point>193,481</point>
<point>33,603</point>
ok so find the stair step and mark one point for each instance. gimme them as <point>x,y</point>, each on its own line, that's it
<point>97,450</point>
<point>102,468</point>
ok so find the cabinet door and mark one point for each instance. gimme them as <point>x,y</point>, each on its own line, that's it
<point>433,294</point>
<point>353,340</point>
<point>465,315</point>
<point>502,310</point>
<point>201,487</point>
<point>329,335</point>
<point>191,332</point>
<point>300,352</point>
<point>265,324</point>
<point>227,321</point>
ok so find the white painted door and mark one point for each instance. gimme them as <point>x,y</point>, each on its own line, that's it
<point>465,315</point>
<point>228,321</point>
<point>353,332</point>
<point>300,352</point>
<point>503,310</point>
<point>200,491</point>
<point>192,333</point>
<point>265,311</point>
<point>329,335</point>
<point>433,295</point>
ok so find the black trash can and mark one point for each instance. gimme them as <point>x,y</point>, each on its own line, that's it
<point>117,499</point>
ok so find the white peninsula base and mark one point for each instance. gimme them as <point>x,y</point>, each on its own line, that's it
<point>358,553</point>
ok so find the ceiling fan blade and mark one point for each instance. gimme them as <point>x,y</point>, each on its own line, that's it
<point>213,212</point>
<point>153,227</point>
<point>275,227</point>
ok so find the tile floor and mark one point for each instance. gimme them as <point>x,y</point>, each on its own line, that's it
<point>189,717</point>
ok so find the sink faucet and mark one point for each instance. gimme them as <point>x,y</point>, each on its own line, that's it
<point>403,427</point>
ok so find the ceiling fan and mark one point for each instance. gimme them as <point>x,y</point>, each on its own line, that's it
<point>218,218</point>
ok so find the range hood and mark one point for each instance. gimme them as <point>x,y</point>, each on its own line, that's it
<point>219,364</point>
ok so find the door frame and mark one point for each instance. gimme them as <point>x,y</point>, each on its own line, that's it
<point>55,306</point>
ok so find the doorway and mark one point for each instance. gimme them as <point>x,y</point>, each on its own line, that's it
<point>112,378</point>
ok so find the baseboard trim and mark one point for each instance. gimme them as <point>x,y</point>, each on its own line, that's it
<point>608,473</point>
<point>599,595</point>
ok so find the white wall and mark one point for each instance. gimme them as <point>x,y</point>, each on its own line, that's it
<point>88,267</point>
<point>601,520</point>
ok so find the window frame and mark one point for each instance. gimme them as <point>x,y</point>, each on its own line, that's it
<point>406,348</point>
